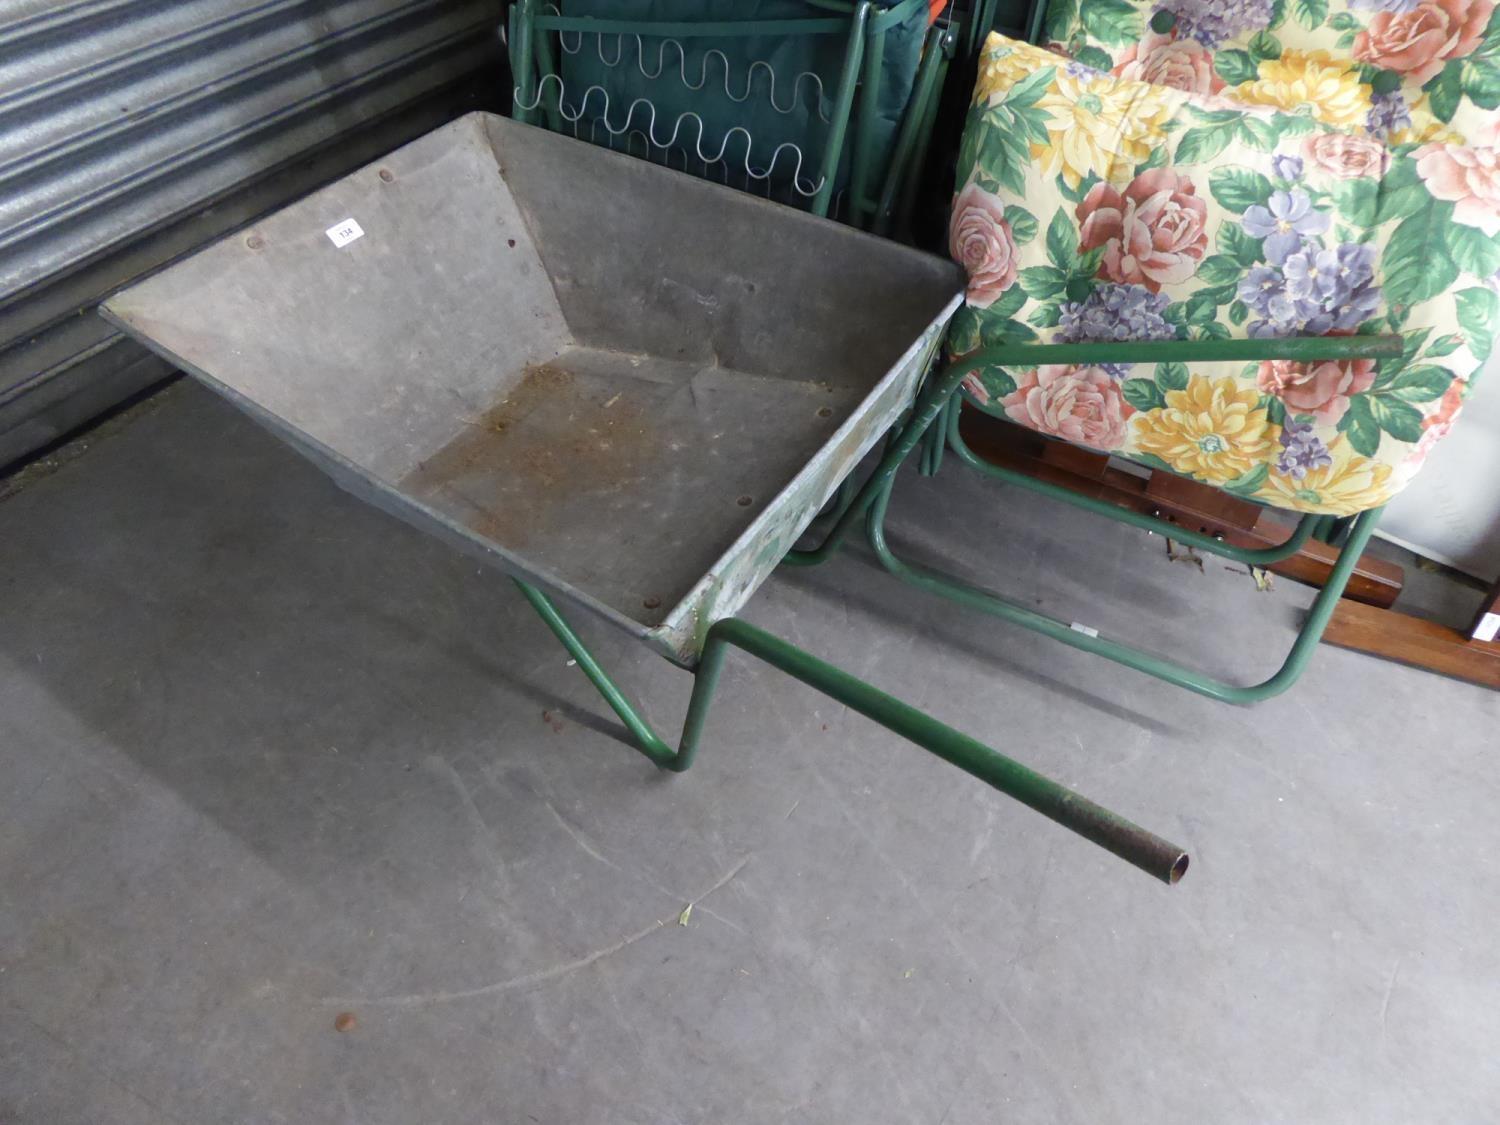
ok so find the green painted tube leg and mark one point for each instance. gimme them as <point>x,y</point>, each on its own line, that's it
<point>1145,850</point>
<point>917,165</point>
<point>833,149</point>
<point>546,67</point>
<point>1173,673</point>
<point>916,122</point>
<point>705,680</point>
<point>522,61</point>
<point>862,169</point>
<point>937,436</point>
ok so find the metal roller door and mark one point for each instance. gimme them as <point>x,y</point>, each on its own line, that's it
<point>133,130</point>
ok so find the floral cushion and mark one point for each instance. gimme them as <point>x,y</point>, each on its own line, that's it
<point>1402,70</point>
<point>1095,207</point>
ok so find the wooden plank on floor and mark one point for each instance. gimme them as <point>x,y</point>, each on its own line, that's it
<point>1414,641</point>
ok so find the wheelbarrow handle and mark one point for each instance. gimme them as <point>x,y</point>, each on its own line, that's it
<point>1146,850</point>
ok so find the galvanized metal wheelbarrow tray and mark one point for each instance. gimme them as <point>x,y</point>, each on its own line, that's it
<point>627,388</point>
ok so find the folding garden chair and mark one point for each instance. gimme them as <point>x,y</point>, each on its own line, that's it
<point>1255,245</point>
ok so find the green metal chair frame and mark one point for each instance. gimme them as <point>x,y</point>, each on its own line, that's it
<point>863,23</point>
<point>938,406</point>
<point>898,195</point>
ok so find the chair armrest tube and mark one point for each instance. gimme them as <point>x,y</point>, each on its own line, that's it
<point>1196,351</point>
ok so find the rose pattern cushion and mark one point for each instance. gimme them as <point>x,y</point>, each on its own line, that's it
<point>1093,207</point>
<point>1405,71</point>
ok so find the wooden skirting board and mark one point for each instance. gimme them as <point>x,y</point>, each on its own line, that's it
<point>1412,640</point>
<point>1173,498</point>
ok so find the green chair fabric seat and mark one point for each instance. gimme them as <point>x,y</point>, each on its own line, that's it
<point>728,82</point>
<point>804,101</point>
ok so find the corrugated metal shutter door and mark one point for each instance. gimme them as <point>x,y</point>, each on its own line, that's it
<point>133,130</point>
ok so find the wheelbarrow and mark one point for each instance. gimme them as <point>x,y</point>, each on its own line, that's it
<point>628,389</point>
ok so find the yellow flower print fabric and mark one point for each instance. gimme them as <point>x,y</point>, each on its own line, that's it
<point>1329,89</point>
<point>1403,71</point>
<point>1100,129</point>
<point>1096,207</point>
<point>1214,430</point>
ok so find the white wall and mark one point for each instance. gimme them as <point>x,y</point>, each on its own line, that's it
<point>1451,512</point>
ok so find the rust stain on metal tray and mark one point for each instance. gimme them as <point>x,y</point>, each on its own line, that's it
<point>554,438</point>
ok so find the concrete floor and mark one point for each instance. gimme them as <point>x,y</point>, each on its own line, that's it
<point>269,757</point>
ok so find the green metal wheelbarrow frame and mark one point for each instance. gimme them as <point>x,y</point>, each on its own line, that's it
<point>939,407</point>
<point>1137,846</point>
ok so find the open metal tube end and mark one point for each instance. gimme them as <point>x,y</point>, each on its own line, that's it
<point>1178,869</point>
<point>1157,857</point>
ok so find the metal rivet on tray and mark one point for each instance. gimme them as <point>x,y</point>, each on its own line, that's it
<point>745,501</point>
<point>255,242</point>
<point>387,175</point>
<point>652,603</point>
<point>825,412</point>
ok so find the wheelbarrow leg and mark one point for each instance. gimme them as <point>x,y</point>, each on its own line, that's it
<point>647,741</point>
<point>1152,854</point>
